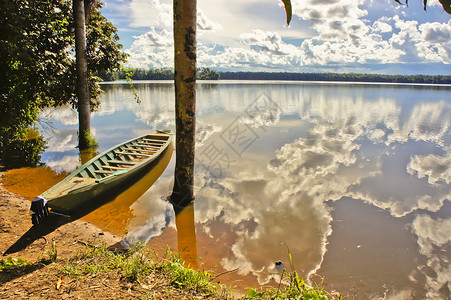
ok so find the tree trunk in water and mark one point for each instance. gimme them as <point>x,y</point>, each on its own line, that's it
<point>84,110</point>
<point>185,99</point>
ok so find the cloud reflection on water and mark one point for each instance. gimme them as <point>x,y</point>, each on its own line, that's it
<point>367,150</point>
<point>434,237</point>
<point>386,146</point>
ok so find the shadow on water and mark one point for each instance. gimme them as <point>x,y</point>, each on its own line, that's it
<point>102,209</point>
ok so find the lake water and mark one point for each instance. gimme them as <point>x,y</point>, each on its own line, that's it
<point>353,180</point>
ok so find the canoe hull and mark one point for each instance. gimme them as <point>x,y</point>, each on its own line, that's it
<point>84,186</point>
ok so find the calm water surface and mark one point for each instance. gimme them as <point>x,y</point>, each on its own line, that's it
<point>352,179</point>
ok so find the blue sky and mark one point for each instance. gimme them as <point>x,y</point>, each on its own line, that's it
<point>360,36</point>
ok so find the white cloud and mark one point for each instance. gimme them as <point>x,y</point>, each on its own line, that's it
<point>158,13</point>
<point>345,36</point>
<point>380,26</point>
<point>151,13</point>
<point>206,24</point>
<point>436,32</point>
<point>437,169</point>
<point>152,49</point>
<point>154,39</point>
<point>270,42</point>
<point>338,19</point>
<point>341,35</point>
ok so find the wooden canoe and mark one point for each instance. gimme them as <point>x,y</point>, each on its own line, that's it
<point>106,172</point>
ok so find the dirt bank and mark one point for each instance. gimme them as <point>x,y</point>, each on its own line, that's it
<point>15,221</point>
<point>45,280</point>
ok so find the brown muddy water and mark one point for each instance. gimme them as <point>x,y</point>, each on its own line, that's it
<point>353,180</point>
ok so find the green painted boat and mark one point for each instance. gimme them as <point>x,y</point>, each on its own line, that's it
<point>105,172</point>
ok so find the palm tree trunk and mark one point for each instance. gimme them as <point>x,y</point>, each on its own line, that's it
<point>84,110</point>
<point>185,99</point>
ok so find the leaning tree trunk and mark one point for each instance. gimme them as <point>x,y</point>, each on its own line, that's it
<point>82,89</point>
<point>185,99</point>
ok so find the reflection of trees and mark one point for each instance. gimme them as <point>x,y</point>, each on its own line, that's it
<point>23,152</point>
<point>86,155</point>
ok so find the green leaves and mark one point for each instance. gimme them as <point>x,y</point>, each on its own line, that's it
<point>288,10</point>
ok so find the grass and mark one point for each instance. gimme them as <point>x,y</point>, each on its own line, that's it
<point>11,264</point>
<point>142,265</point>
<point>139,263</point>
<point>296,289</point>
<point>291,286</point>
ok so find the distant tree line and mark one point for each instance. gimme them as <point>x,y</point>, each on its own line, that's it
<point>209,74</point>
<point>155,74</point>
<point>438,79</point>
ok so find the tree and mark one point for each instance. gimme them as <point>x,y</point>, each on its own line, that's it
<point>207,74</point>
<point>32,56</point>
<point>97,50</point>
<point>37,68</point>
<point>185,23</point>
<point>82,86</point>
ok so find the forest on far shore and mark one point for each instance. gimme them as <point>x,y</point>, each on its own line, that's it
<point>209,74</point>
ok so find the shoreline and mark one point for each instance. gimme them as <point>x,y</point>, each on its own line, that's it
<point>71,237</point>
<point>73,245</point>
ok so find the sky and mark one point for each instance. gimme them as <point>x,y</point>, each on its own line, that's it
<point>359,36</point>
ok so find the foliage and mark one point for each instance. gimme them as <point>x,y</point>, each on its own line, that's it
<point>103,50</point>
<point>104,54</point>
<point>155,74</point>
<point>33,43</point>
<point>207,74</point>
<point>91,142</point>
<point>128,74</point>
<point>37,66</point>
